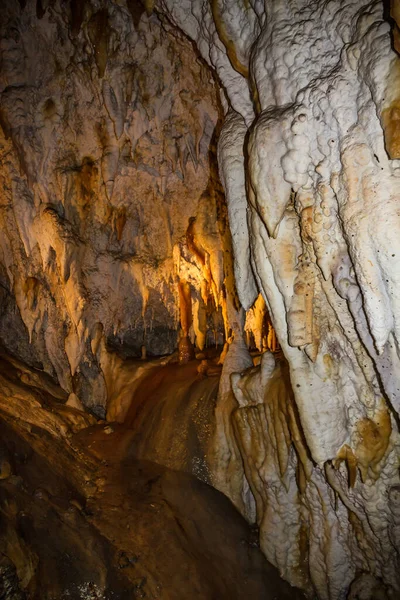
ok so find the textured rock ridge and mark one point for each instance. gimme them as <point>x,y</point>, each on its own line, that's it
<point>107,124</point>
<point>308,156</point>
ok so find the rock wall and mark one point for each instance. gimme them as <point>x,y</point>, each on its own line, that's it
<point>308,156</point>
<point>114,237</point>
<point>107,122</point>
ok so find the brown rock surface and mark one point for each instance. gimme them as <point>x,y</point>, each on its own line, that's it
<point>81,524</point>
<point>107,121</point>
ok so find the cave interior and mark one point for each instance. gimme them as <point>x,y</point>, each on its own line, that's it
<point>199,299</point>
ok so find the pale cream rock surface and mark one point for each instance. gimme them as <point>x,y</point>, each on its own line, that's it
<point>321,219</point>
<point>105,150</point>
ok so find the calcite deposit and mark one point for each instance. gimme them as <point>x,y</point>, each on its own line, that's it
<point>107,125</point>
<point>120,120</point>
<point>308,157</point>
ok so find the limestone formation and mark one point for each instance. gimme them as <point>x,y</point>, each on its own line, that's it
<point>308,156</point>
<point>120,120</point>
<point>107,125</point>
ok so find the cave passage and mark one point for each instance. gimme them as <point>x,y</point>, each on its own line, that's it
<point>199,299</point>
<point>86,512</point>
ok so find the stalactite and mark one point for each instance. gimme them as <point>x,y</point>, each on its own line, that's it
<point>185,306</point>
<point>99,33</point>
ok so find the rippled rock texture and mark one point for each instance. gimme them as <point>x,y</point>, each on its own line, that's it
<point>107,124</point>
<point>309,160</point>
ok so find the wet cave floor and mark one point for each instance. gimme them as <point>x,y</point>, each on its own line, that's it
<point>81,517</point>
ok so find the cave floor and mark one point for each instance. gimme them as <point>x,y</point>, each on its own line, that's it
<point>81,518</point>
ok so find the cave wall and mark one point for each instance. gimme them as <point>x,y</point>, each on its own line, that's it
<point>107,123</point>
<point>112,238</point>
<point>309,161</point>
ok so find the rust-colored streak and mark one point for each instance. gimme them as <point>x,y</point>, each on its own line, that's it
<point>391,127</point>
<point>373,441</point>
<point>98,30</point>
<point>190,240</point>
<point>346,453</point>
<point>227,42</point>
<point>77,13</point>
<point>185,305</point>
<point>395,14</point>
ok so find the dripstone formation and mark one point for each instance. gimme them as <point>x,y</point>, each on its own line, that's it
<point>204,189</point>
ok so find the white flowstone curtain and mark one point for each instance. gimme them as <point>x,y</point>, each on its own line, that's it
<point>313,201</point>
